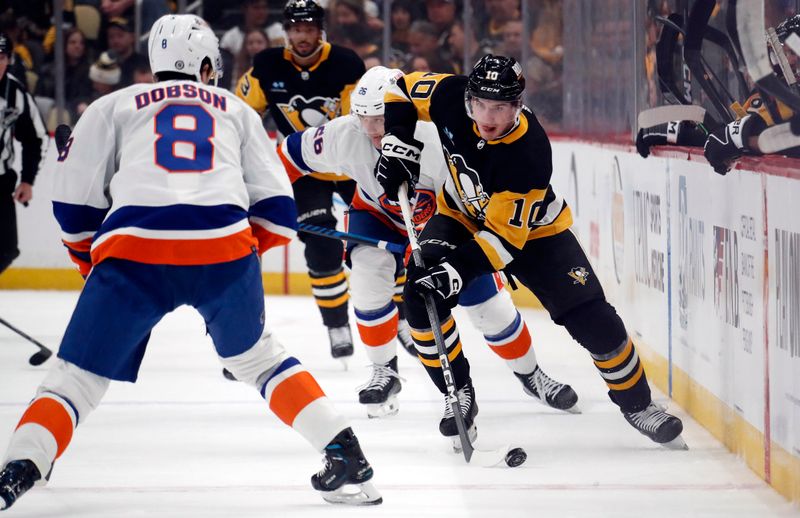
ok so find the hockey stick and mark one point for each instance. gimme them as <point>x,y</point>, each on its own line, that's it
<point>777,138</point>
<point>695,28</point>
<point>485,458</point>
<point>665,50</point>
<point>44,352</point>
<point>750,33</point>
<point>395,248</point>
<point>668,113</point>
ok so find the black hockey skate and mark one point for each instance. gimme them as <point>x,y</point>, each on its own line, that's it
<point>549,391</point>
<point>469,409</point>
<point>16,478</point>
<point>380,392</point>
<point>345,479</point>
<point>341,342</point>
<point>404,337</point>
<point>658,425</point>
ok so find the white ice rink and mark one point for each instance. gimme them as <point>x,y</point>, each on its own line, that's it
<point>185,442</point>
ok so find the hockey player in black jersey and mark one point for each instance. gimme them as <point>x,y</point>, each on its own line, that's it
<point>497,211</point>
<point>306,84</point>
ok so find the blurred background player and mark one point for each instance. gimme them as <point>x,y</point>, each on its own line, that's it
<point>306,84</point>
<point>497,211</point>
<point>166,195</point>
<point>19,120</point>
<point>350,144</point>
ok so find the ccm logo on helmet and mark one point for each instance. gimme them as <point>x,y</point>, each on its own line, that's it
<point>397,150</point>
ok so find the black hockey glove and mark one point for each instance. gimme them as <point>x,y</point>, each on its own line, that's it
<point>399,163</point>
<point>729,142</point>
<point>680,133</point>
<point>442,281</point>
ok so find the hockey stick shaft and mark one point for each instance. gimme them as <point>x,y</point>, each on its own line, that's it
<point>663,114</point>
<point>42,347</point>
<point>395,248</point>
<point>433,317</point>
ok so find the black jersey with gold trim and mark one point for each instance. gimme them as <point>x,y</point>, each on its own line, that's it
<point>499,189</point>
<point>300,97</point>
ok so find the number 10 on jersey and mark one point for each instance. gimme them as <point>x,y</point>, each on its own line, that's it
<point>184,139</point>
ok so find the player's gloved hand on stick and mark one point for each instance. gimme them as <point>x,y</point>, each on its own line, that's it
<point>442,281</point>
<point>729,142</point>
<point>399,162</point>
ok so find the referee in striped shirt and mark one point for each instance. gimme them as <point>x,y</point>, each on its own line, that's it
<point>20,120</point>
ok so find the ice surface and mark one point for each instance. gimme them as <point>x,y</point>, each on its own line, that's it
<point>185,442</point>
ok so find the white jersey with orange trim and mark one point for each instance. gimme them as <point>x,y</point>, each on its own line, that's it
<point>174,173</point>
<point>342,146</point>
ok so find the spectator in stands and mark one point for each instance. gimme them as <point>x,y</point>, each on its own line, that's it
<point>544,68</point>
<point>353,27</point>
<point>460,42</point>
<point>403,15</point>
<point>255,16</point>
<point>122,42</point>
<point>511,44</point>
<point>152,10</point>
<point>498,13</point>
<point>77,85</point>
<point>429,64</point>
<point>143,74</point>
<point>442,14</point>
<point>254,42</point>
<point>21,58</point>
<point>105,75</point>
<point>424,43</point>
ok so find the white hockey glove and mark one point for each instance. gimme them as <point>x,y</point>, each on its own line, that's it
<point>398,163</point>
<point>442,281</point>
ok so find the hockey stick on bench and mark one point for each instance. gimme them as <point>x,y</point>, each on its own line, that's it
<point>37,358</point>
<point>486,458</point>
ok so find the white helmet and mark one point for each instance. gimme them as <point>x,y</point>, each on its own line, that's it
<point>367,96</point>
<point>180,43</point>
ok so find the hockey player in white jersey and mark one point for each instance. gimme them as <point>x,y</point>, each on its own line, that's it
<point>350,145</point>
<point>166,194</point>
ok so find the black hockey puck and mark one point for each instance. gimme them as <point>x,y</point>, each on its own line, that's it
<point>516,457</point>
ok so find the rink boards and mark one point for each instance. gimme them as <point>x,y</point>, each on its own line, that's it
<point>705,270</point>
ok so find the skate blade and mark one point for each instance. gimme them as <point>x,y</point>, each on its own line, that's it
<point>354,494</point>
<point>676,444</point>
<point>380,410</point>
<point>574,409</point>
<point>345,364</point>
<point>472,434</point>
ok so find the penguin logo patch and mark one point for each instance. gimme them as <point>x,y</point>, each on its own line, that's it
<point>579,275</point>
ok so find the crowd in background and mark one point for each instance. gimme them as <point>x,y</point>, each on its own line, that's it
<point>102,53</point>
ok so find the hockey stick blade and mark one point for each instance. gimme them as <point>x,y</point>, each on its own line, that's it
<point>778,138</point>
<point>664,114</point>
<point>40,357</point>
<point>44,352</point>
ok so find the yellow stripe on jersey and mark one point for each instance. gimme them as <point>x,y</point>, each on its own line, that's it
<point>416,88</point>
<point>249,90</point>
<point>445,210</point>
<point>344,104</point>
<point>509,214</point>
<point>518,132</point>
<point>323,56</point>
<point>562,223</point>
<point>493,249</point>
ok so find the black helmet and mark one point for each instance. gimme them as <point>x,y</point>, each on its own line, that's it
<point>498,78</point>
<point>303,11</point>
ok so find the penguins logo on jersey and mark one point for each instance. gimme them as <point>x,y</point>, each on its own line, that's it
<point>579,275</point>
<point>468,185</point>
<point>303,113</point>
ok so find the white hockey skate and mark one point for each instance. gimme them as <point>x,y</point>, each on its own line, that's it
<point>379,394</point>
